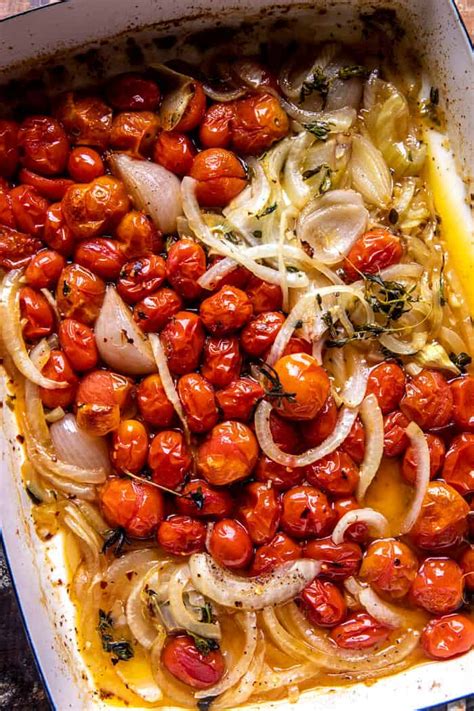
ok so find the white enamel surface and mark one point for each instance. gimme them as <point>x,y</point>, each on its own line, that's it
<point>36,567</point>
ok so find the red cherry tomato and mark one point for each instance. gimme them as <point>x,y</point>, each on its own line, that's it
<point>155,311</point>
<point>183,341</point>
<point>448,636</point>
<point>284,433</point>
<point>281,477</point>
<point>317,430</point>
<point>186,262</point>
<point>136,507</point>
<point>390,567</point>
<point>29,209</point>
<point>79,294</point>
<point>141,277</point>
<point>225,311</point>
<point>203,501</point>
<point>44,269</point>
<point>78,342</point>
<point>354,444</point>
<point>182,535</point>
<point>428,400</point>
<point>85,164</point>
<point>49,188</point>
<point>306,513</point>
<point>297,345</point>
<point>259,334</point>
<point>86,119</point>
<point>194,111</point>
<point>336,474</point>
<point>199,403</point>
<point>153,403</point>
<point>238,277</point>
<point>281,549</point>
<point>357,532</point>
<point>133,92</point>
<point>215,130</point>
<point>16,248</point>
<point>36,313</point>
<point>387,383</point>
<point>138,236</point>
<point>221,360</point>
<point>183,660</point>
<point>306,382</point>
<point>43,145</point>
<point>58,368</point>
<point>463,402</point>
<point>7,217</point>
<point>129,447</point>
<point>169,458</point>
<point>9,155</point>
<point>134,132</point>
<point>101,398</point>
<point>220,175</point>
<point>238,400</point>
<point>260,512</point>
<point>438,586</point>
<point>230,545</point>
<point>228,454</point>
<point>101,256</point>
<point>323,603</point>
<point>92,209</point>
<point>467,566</point>
<point>257,123</point>
<point>338,560</point>
<point>360,631</point>
<point>410,462</point>
<point>372,252</point>
<point>442,522</point>
<point>175,152</point>
<point>395,439</point>
<point>264,296</point>
<point>57,234</point>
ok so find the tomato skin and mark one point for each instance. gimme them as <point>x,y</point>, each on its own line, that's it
<point>390,567</point>
<point>155,311</point>
<point>317,430</point>
<point>357,532</point>
<point>44,269</point>
<point>260,333</point>
<point>373,251</point>
<point>85,164</point>
<point>174,151</point>
<point>7,217</point>
<point>463,402</point>
<point>395,440</point>
<point>354,444</point>
<point>297,345</point>
<point>183,341</point>
<point>134,132</point>
<point>49,188</point>
<point>338,560</point>
<point>91,209</point>
<point>79,294</point>
<point>186,262</point>
<point>129,447</point>
<point>306,513</point>
<point>264,296</point>
<point>37,312</point>
<point>323,603</point>
<point>86,119</point>
<point>281,477</point>
<point>284,433</point>
<point>447,636</point>
<point>221,360</point>
<point>199,404</point>
<point>9,154</point>
<point>58,368</point>
<point>43,145</point>
<point>238,277</point>
<point>141,277</point>
<point>238,400</point>
<point>100,399</point>
<point>467,566</point>
<point>182,535</point>
<point>442,522</point>
<point>230,545</point>
<point>138,236</point>
<point>387,382</point>
<point>301,375</point>
<point>336,474</point>
<point>136,507</point>
<point>195,110</point>
<point>260,511</point>
<point>29,209</point>
<point>213,503</point>
<point>360,631</point>
<point>169,458</point>
<point>257,123</point>
<point>185,662</point>
<point>225,311</point>
<point>220,175</point>
<point>228,454</point>
<point>437,451</point>
<point>153,403</point>
<point>16,248</point>
<point>57,234</point>
<point>215,130</point>
<point>133,92</point>
<point>279,550</point>
<point>78,342</point>
<point>438,586</point>
<point>101,256</point>
<point>428,400</point>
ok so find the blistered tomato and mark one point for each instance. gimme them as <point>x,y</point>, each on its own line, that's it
<point>220,177</point>
<point>9,155</point>
<point>36,314</point>
<point>463,402</point>
<point>141,277</point>
<point>101,256</point>
<point>43,145</point>
<point>57,233</point>
<point>306,513</point>
<point>230,544</point>
<point>138,236</point>
<point>182,535</point>
<point>194,110</point>
<point>202,501</point>
<point>198,401</point>
<point>317,430</point>
<point>395,440</point>
<point>264,296</point>
<point>238,400</point>
<point>79,294</point>
<point>448,636</point>
<point>169,458</point>
<point>373,251</point>
<point>85,164</point>
<point>183,660</point>
<point>186,262</point>
<point>174,151</point>
<point>44,269</point>
<point>92,209</point>
<point>361,631</point>
<point>438,586</point>
<point>154,311</point>
<point>134,132</point>
<point>306,385</point>
<point>354,444</point>
<point>136,507</point>
<point>260,512</point>
<point>428,400</point>
<point>129,447</point>
<point>387,382</point>
<point>49,188</point>
<point>358,531</point>
<point>257,123</point>
<point>78,342</point>
<point>153,403</point>
<point>338,560</point>
<point>215,130</point>
<point>259,334</point>
<point>284,434</point>
<point>16,248</point>
<point>87,119</point>
<point>30,209</point>
<point>183,341</point>
<point>281,477</point>
<point>279,550</point>
<point>229,453</point>
<point>323,603</point>
<point>221,360</point>
<point>336,474</point>
<point>225,311</point>
<point>59,369</point>
<point>410,462</point>
<point>390,567</point>
<point>133,92</point>
<point>443,518</point>
<point>100,399</point>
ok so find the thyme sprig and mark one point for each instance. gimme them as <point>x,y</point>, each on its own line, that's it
<point>115,539</point>
<point>120,649</point>
<point>320,129</point>
<point>275,391</point>
<point>388,297</point>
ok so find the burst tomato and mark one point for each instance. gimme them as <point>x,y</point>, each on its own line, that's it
<point>182,535</point>
<point>199,403</point>
<point>221,360</point>
<point>390,567</point>
<point>260,512</point>
<point>230,544</point>
<point>175,152</point>
<point>183,341</point>
<point>438,586</point>
<point>169,458</point>
<point>220,177</point>
<point>306,513</point>
<point>136,507</point>
<point>228,454</point>
<point>281,549</point>
<point>323,603</point>
<point>78,342</point>
<point>183,660</point>
<point>153,403</point>
<point>387,382</point>
<point>372,252</point>
<point>428,400</point>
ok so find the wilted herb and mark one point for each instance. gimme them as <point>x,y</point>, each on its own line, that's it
<point>267,211</point>
<point>153,603</point>
<point>121,649</point>
<point>430,107</point>
<point>393,216</point>
<point>361,333</point>
<point>276,391</point>
<point>205,703</point>
<point>33,496</point>
<point>318,82</point>
<point>319,300</point>
<point>329,321</point>
<point>291,269</point>
<point>203,644</point>
<point>388,297</point>
<point>357,70</point>
<point>257,234</point>
<point>197,497</point>
<point>320,129</point>
<point>206,613</point>
<point>115,539</point>
<point>390,355</point>
<point>231,237</point>
<point>169,242</point>
<point>326,182</point>
<point>461,360</point>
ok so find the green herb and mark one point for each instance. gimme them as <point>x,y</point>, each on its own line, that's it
<point>387,297</point>
<point>206,613</point>
<point>442,290</point>
<point>320,129</point>
<point>357,70</point>
<point>169,242</point>
<point>329,321</point>
<point>203,644</point>
<point>205,703</point>
<point>299,324</point>
<point>231,237</point>
<point>430,107</point>
<point>257,234</point>
<point>153,603</point>
<point>197,497</point>
<point>121,649</point>
<point>390,355</point>
<point>326,182</point>
<point>66,289</point>
<point>267,211</point>
<point>291,269</point>
<point>319,300</point>
<point>115,539</point>
<point>276,391</point>
<point>393,216</point>
<point>318,82</point>
<point>461,360</point>
<point>361,333</point>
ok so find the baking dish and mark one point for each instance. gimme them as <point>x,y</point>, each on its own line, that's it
<point>40,574</point>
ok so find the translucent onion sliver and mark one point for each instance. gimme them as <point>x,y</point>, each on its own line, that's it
<point>372,419</point>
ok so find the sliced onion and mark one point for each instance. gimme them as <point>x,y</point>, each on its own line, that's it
<point>75,446</point>
<point>167,380</point>
<point>230,590</point>
<point>247,685</point>
<point>140,625</point>
<point>356,384</point>
<point>344,424</point>
<point>372,419</point>
<point>153,189</point>
<point>372,518</point>
<point>272,680</point>
<point>302,307</point>
<point>370,174</point>
<point>91,541</point>
<point>295,186</point>
<point>422,459</point>
<point>218,271</point>
<point>178,90</point>
<point>255,196</point>
<point>298,649</point>
<point>376,607</point>
<point>139,680</point>
<point>182,616</point>
<point>54,415</point>
<point>225,95</point>
<point>396,272</point>
<point>120,341</point>
<point>169,685</point>
<point>338,121</point>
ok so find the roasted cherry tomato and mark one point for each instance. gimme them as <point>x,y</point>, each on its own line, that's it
<point>354,444</point>
<point>43,145</point>
<point>443,518</point>
<point>79,294</point>
<point>284,434</point>
<point>136,507</point>
<point>372,252</point>
<point>186,262</point>
<point>281,477</point>
<point>183,341</point>
<point>169,458</point>
<point>229,453</point>
<point>281,549</point>
<point>7,217</point>
<point>85,164</point>
<point>37,314</point>
<point>305,384</point>
<point>155,311</point>
<point>360,631</point>
<point>448,636</point>
<point>260,511</point>
<point>138,236</point>
<point>100,399</point>
<point>338,560</point>
<point>78,342</point>
<point>357,532</point>
<point>133,92</point>
<point>129,447</point>
<point>264,296</point>
<point>215,130</point>
<point>225,311</point>
<point>428,400</point>
<point>194,111</point>
<point>9,154</point>
<point>141,277</point>
<point>220,177</point>
<point>101,256</point>
<point>86,119</point>
<point>239,276</point>
<point>259,334</point>
<point>198,401</point>
<point>438,586</point>
<point>153,403</point>
<point>29,209</point>
<point>198,669</point>
<point>91,209</point>
<point>16,248</point>
<point>296,345</point>
<point>174,151</point>
<point>57,233</point>
<point>387,383</point>
<point>202,501</point>
<point>49,188</point>
<point>390,567</point>
<point>58,368</point>
<point>395,440</point>
<point>221,361</point>
<point>410,462</point>
<point>44,269</point>
<point>467,566</point>
<point>463,402</point>
<point>323,603</point>
<point>134,132</point>
<point>306,513</point>
<point>257,123</point>
<point>230,544</point>
<point>182,535</point>
<point>317,430</point>
<point>238,400</point>
<point>336,474</point>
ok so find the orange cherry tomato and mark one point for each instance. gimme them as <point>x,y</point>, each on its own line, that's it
<point>228,454</point>
<point>260,511</point>
<point>390,567</point>
<point>195,110</point>
<point>141,277</point>
<point>428,400</point>
<point>281,477</point>
<point>238,400</point>
<point>338,560</point>
<point>317,430</point>
<point>448,636</point>
<point>153,403</point>
<point>264,296</point>
<point>136,507</point>
<point>49,188</point>
<point>258,122</point>
<point>281,549</point>
<point>169,458</point>
<point>336,474</point>
<point>100,399</point>
<point>133,92</point>
<point>29,209</point>
<point>306,513</point>
<point>467,566</point>
<point>183,660</point>
<point>44,269</point>
<point>85,164</point>
<point>360,631</point>
<point>221,361</point>
<point>438,586</point>
<point>323,603</point>
<point>354,444</point>
<point>79,294</point>
<point>215,130</point>
<point>462,390</point>
<point>443,518</point>
<point>306,384</point>
<point>92,209</point>
<point>203,501</point>
<point>387,382</point>
<point>57,234</point>
<point>9,154</point>
<point>183,341</point>
<point>138,236</point>
<point>182,535</point>
<point>372,252</point>
<point>296,345</point>
<point>357,532</point>
<point>86,119</point>
<point>225,311</point>
<point>16,248</point>
<point>129,447</point>
<point>100,256</point>
<point>259,334</point>
<point>43,145</point>
<point>78,342</point>
<point>220,175</point>
<point>175,152</point>
<point>58,368</point>
<point>410,462</point>
<point>134,132</point>
<point>37,314</point>
<point>230,544</point>
<point>395,439</point>
<point>186,262</point>
<point>198,401</point>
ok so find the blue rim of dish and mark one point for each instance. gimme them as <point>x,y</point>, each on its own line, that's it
<point>463,24</point>
<point>33,9</point>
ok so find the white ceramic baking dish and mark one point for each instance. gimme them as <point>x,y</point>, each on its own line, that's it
<point>441,41</point>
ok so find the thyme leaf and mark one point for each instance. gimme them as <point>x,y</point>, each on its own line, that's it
<point>121,649</point>
<point>326,181</point>
<point>320,129</point>
<point>267,211</point>
<point>115,539</point>
<point>460,360</point>
<point>318,83</point>
<point>197,497</point>
<point>275,391</point>
<point>356,70</point>
<point>442,290</point>
<point>387,297</point>
<point>361,333</point>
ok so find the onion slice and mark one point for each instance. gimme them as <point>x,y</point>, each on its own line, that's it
<point>182,616</point>
<point>354,389</point>
<point>237,695</point>
<point>374,605</point>
<point>372,518</point>
<point>422,458</point>
<point>178,90</point>
<point>372,419</point>
<point>167,380</point>
<point>78,447</point>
